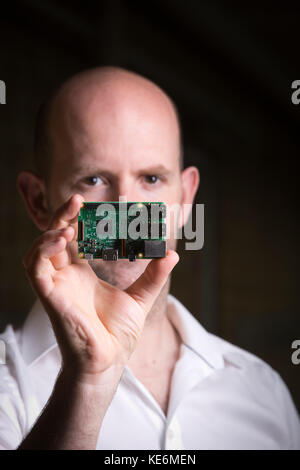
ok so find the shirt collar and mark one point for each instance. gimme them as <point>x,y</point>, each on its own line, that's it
<point>37,334</point>
<point>38,337</point>
<point>194,335</point>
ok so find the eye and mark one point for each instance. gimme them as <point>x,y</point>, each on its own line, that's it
<point>151,179</point>
<point>93,180</point>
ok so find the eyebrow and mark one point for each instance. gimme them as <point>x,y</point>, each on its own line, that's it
<point>160,169</point>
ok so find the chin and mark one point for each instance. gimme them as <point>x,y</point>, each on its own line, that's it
<point>121,273</point>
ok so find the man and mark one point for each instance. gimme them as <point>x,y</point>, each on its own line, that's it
<point>127,367</point>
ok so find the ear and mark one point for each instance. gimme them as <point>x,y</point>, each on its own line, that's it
<point>190,178</point>
<point>33,191</point>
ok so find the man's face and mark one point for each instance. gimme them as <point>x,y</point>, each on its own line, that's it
<point>111,144</point>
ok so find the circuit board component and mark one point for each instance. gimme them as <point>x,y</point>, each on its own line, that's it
<point>112,230</point>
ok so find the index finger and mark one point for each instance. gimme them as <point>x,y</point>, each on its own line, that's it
<point>67,213</point>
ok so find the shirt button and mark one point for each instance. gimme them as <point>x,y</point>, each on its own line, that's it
<point>171,434</point>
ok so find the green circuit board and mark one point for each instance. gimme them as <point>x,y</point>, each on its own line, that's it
<point>111,230</point>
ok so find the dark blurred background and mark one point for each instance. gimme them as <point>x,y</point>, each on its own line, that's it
<point>229,67</point>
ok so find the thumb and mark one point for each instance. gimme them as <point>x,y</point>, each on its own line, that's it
<point>147,287</point>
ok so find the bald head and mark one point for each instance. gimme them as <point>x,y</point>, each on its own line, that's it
<point>108,133</point>
<point>87,98</point>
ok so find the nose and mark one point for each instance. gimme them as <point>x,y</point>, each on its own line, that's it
<point>125,186</point>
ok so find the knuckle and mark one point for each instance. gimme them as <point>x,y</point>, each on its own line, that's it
<point>48,234</point>
<point>39,250</point>
<point>30,259</point>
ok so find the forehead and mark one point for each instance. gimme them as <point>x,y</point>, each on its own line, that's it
<point>116,122</point>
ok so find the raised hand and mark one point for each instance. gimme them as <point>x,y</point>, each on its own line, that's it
<point>97,325</point>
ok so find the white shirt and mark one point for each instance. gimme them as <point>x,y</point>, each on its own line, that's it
<point>222,397</point>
